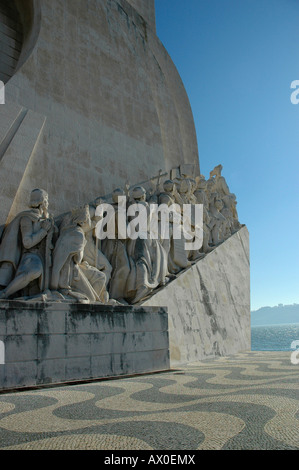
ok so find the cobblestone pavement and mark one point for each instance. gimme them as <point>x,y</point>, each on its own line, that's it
<point>248,401</point>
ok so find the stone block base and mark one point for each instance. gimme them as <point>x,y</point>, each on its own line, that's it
<point>56,343</point>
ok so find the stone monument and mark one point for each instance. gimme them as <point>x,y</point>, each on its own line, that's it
<point>98,122</point>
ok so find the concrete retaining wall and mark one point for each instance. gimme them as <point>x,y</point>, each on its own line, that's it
<point>209,304</point>
<point>53,343</point>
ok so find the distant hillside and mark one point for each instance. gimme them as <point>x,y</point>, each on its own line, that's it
<point>275,315</point>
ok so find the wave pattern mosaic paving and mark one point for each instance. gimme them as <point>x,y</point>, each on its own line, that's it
<point>247,401</point>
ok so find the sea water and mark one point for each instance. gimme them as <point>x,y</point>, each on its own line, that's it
<point>274,337</point>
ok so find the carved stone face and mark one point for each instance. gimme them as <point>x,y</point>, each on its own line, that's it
<point>81,216</point>
<point>202,183</point>
<point>39,198</point>
<point>218,204</point>
<point>211,185</point>
<point>45,203</point>
<point>185,186</point>
<point>168,186</point>
<point>139,193</point>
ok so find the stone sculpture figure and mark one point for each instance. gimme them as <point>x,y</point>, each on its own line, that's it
<point>93,255</point>
<point>230,204</point>
<point>201,198</point>
<point>227,228</point>
<point>216,218</point>
<point>170,189</point>
<point>115,251</point>
<point>72,276</point>
<point>154,191</point>
<point>148,260</point>
<point>200,192</point>
<point>228,198</point>
<point>23,256</point>
<point>194,255</point>
<point>184,191</point>
<point>38,261</point>
<point>193,187</point>
<point>179,258</point>
<point>220,183</point>
<point>177,255</point>
<point>222,222</point>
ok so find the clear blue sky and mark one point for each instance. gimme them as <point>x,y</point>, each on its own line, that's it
<point>237,59</point>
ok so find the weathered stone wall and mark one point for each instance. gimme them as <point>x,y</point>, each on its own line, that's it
<point>54,343</point>
<point>209,304</point>
<point>110,105</point>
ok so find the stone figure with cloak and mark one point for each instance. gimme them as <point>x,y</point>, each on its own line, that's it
<point>71,275</point>
<point>25,249</point>
<point>175,247</point>
<point>115,251</point>
<point>148,259</point>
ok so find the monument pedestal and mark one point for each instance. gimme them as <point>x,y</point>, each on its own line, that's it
<point>55,343</point>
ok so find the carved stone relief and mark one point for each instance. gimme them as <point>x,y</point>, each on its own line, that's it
<point>63,259</point>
